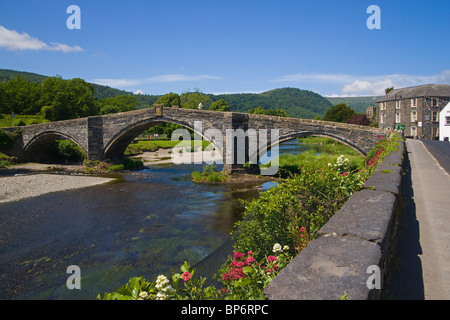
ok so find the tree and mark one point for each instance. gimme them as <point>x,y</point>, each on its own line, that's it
<point>387,90</point>
<point>21,96</point>
<point>70,99</point>
<point>277,112</point>
<point>123,103</point>
<point>108,109</point>
<point>170,99</point>
<point>220,105</point>
<point>359,119</point>
<point>191,100</point>
<point>339,113</point>
<point>48,112</point>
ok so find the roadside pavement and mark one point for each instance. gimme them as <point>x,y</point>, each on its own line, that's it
<point>422,268</point>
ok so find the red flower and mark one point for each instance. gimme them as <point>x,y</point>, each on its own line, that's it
<point>186,276</point>
<point>238,255</point>
<point>271,258</point>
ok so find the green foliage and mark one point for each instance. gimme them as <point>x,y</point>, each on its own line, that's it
<point>277,112</point>
<point>66,150</point>
<point>209,174</point>
<point>122,103</point>
<point>48,113</point>
<point>170,99</point>
<point>244,278</point>
<point>220,105</point>
<point>108,109</point>
<point>6,161</point>
<point>7,139</point>
<point>69,98</point>
<point>296,103</point>
<point>191,100</point>
<point>180,286</point>
<point>132,164</point>
<point>116,167</point>
<point>359,104</point>
<point>339,113</point>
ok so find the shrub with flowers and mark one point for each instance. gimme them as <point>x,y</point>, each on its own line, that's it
<point>181,286</point>
<point>244,278</point>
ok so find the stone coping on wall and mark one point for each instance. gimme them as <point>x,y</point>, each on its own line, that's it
<point>339,263</point>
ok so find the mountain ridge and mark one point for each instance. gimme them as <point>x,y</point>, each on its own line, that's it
<point>296,102</point>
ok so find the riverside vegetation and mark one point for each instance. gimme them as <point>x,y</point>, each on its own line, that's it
<point>276,226</point>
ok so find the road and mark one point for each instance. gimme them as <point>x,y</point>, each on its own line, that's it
<point>422,268</point>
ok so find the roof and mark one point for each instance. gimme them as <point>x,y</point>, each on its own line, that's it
<point>428,90</point>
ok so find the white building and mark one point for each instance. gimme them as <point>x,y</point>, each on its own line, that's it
<point>444,123</point>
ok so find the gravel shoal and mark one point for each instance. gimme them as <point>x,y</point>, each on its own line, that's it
<point>20,187</point>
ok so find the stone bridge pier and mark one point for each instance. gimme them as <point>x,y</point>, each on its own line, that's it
<point>240,138</point>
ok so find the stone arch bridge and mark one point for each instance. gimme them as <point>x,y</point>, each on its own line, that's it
<point>107,137</point>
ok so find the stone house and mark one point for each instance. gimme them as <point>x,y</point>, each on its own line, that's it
<point>444,124</point>
<point>416,109</point>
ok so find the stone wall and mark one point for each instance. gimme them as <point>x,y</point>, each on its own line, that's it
<point>360,235</point>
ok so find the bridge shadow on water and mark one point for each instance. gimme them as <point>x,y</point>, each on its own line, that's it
<point>406,277</point>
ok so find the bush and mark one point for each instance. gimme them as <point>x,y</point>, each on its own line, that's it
<point>6,141</point>
<point>131,164</point>
<point>209,174</point>
<point>66,150</point>
<point>116,167</point>
<point>6,161</point>
<point>48,112</point>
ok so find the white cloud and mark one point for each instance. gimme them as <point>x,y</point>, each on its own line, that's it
<point>15,41</point>
<point>139,92</point>
<point>352,85</point>
<point>167,78</point>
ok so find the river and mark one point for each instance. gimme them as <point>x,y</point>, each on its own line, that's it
<point>144,224</point>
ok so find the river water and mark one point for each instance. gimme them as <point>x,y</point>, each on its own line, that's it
<point>144,224</point>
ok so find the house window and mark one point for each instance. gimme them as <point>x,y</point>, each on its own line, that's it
<point>413,116</point>
<point>397,104</point>
<point>435,116</point>
<point>434,102</point>
<point>447,121</point>
<point>413,102</point>
<point>397,118</point>
<point>382,118</point>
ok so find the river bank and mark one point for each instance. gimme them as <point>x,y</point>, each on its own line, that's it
<point>19,187</point>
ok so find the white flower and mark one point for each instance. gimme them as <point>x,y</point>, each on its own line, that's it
<point>143,294</point>
<point>277,248</point>
<point>168,289</point>
<point>161,296</point>
<point>285,248</point>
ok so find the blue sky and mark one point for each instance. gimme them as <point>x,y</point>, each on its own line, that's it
<point>156,46</point>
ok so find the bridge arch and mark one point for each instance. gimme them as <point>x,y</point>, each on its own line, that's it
<point>291,136</point>
<point>38,145</point>
<point>116,146</point>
